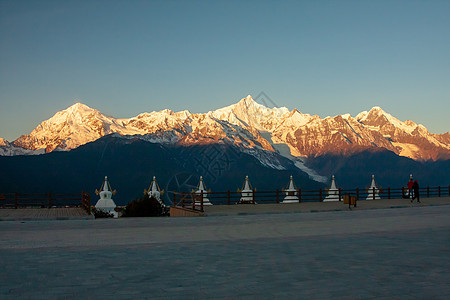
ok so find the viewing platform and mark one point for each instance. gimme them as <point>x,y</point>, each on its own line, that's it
<point>45,206</point>
<point>36,214</point>
<point>312,207</point>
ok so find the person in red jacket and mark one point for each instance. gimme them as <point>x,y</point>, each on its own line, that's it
<point>410,187</point>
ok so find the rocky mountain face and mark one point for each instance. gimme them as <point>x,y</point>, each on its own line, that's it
<point>9,149</point>
<point>408,138</point>
<point>250,126</point>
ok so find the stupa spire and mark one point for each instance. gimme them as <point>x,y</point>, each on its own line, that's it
<point>201,190</point>
<point>373,190</point>
<point>247,192</point>
<point>333,191</point>
<point>201,185</point>
<point>154,191</point>
<point>105,184</point>
<point>291,192</point>
<point>105,203</point>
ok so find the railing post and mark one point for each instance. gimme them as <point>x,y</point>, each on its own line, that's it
<point>201,203</point>
<point>340,194</point>
<point>193,200</point>
<point>373,193</point>
<point>428,191</point>
<point>300,195</point>
<point>174,199</point>
<point>253,195</point>
<point>357,194</point>
<point>86,201</point>
<point>49,199</point>
<point>439,191</point>
<point>228,197</point>
<point>449,190</point>
<point>389,192</point>
<point>16,200</point>
<point>320,195</point>
<point>278,196</point>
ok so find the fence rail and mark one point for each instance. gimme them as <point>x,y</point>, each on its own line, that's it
<point>45,200</point>
<point>197,201</point>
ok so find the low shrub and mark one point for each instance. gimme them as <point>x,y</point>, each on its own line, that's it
<point>98,214</point>
<point>144,207</point>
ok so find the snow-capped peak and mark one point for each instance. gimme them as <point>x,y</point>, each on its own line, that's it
<point>79,107</point>
<point>378,118</point>
<point>68,129</point>
<point>247,124</point>
<point>248,112</point>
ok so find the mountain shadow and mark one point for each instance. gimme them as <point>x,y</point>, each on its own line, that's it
<point>390,170</point>
<point>131,163</point>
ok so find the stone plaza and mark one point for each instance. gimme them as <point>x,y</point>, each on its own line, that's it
<point>386,253</point>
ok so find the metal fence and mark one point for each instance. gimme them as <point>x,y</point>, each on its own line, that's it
<point>197,201</point>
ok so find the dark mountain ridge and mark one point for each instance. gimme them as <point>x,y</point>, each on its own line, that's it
<point>130,165</point>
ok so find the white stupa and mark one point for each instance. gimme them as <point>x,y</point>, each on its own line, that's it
<point>247,193</point>
<point>105,203</point>
<point>333,192</point>
<point>291,193</point>
<point>370,190</point>
<point>154,191</point>
<point>201,188</point>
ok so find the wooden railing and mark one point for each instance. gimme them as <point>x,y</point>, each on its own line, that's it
<point>45,200</point>
<point>195,200</point>
<point>86,201</point>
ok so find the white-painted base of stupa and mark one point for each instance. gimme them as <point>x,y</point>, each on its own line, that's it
<point>247,197</point>
<point>290,199</point>
<point>205,202</point>
<point>370,196</point>
<point>107,205</point>
<point>333,195</point>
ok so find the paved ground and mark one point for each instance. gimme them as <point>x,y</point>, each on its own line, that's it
<point>55,213</point>
<point>400,253</point>
<point>249,209</point>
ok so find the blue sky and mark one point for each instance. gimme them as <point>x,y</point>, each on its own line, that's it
<point>128,57</point>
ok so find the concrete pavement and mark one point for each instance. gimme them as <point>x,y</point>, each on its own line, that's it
<point>399,253</point>
<point>249,209</point>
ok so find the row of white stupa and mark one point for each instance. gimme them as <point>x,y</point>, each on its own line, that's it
<point>106,203</point>
<point>293,197</point>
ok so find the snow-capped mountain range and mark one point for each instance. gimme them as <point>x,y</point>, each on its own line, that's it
<point>250,126</point>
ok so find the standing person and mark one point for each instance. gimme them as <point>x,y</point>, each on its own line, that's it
<point>416,191</point>
<point>410,188</point>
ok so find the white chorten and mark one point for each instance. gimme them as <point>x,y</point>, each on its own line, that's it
<point>333,192</point>
<point>247,192</point>
<point>370,190</point>
<point>105,203</point>
<point>154,191</point>
<point>201,188</point>
<point>291,193</point>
